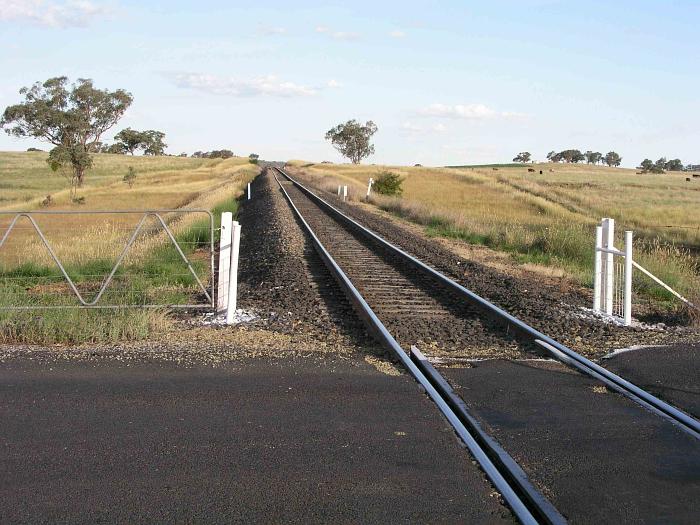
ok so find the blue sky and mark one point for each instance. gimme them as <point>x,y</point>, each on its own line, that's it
<point>446,82</point>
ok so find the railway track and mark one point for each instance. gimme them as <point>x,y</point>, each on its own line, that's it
<point>407,304</point>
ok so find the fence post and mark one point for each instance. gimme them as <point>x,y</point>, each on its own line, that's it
<point>609,270</point>
<point>233,275</point>
<point>597,269</point>
<point>345,193</point>
<point>249,191</point>
<point>224,261</point>
<point>339,187</point>
<point>369,186</point>
<point>628,278</point>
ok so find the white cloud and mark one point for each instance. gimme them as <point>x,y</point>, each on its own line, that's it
<point>333,84</point>
<point>411,127</point>
<point>439,128</point>
<point>68,13</point>
<point>272,30</point>
<point>397,34</point>
<point>466,111</point>
<point>252,87</point>
<point>337,35</point>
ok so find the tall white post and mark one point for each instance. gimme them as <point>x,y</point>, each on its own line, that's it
<point>345,193</point>
<point>233,278</point>
<point>609,270</point>
<point>597,269</point>
<point>369,186</point>
<point>628,278</point>
<point>224,261</point>
<point>339,190</point>
<point>249,191</point>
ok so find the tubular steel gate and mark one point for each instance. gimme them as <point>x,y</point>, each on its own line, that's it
<point>107,259</point>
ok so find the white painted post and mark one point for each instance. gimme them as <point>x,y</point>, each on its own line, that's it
<point>345,193</point>
<point>233,278</point>
<point>609,270</point>
<point>628,278</point>
<point>249,191</point>
<point>224,261</point>
<point>597,269</point>
<point>369,186</point>
<point>339,187</point>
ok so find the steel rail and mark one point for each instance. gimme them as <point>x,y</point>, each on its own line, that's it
<point>558,351</point>
<point>523,508</point>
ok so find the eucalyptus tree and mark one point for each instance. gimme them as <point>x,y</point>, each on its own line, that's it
<point>72,117</point>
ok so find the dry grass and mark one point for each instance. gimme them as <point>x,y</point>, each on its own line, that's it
<point>162,182</point>
<point>546,219</point>
<point>88,245</point>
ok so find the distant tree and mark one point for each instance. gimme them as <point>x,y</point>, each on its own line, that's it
<point>352,139</point>
<point>253,158</point>
<point>646,165</point>
<point>153,142</point>
<point>612,159</point>
<point>572,155</point>
<point>659,166</point>
<point>183,154</point>
<point>117,148</point>
<point>130,177</point>
<point>34,149</point>
<point>198,155</point>
<point>72,118</point>
<point>593,157</point>
<point>388,183</point>
<point>523,156</point>
<point>219,154</point>
<point>130,139</point>
<point>551,156</point>
<point>674,165</point>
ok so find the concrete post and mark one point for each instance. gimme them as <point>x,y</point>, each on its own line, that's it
<point>628,278</point>
<point>609,268</point>
<point>597,269</point>
<point>233,278</point>
<point>224,261</point>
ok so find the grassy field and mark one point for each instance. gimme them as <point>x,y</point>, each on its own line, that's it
<point>546,218</point>
<point>152,272</point>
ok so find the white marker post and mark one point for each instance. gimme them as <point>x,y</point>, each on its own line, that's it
<point>224,260</point>
<point>597,270</point>
<point>249,191</point>
<point>628,278</point>
<point>339,190</point>
<point>233,275</point>
<point>369,186</point>
<point>609,271</point>
<point>345,193</point>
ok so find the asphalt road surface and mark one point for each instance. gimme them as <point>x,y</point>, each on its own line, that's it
<point>670,372</point>
<point>596,455</point>
<point>300,440</point>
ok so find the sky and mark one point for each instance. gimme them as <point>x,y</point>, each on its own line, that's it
<point>452,82</point>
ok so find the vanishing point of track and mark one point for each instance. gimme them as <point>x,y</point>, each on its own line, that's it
<point>402,300</point>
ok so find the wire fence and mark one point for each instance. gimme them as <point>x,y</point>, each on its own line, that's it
<point>107,259</point>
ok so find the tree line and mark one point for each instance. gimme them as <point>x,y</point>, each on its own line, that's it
<point>574,156</point>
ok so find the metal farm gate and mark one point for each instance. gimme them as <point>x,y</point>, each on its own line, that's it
<point>107,259</point>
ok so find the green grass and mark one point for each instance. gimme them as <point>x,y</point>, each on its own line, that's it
<point>154,274</point>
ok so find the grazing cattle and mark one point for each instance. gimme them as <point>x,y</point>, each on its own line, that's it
<point>687,179</point>
<point>494,169</point>
<point>540,172</point>
<point>551,170</point>
<point>531,170</point>
<point>696,175</point>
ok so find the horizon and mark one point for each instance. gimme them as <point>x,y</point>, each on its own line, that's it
<point>462,85</point>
